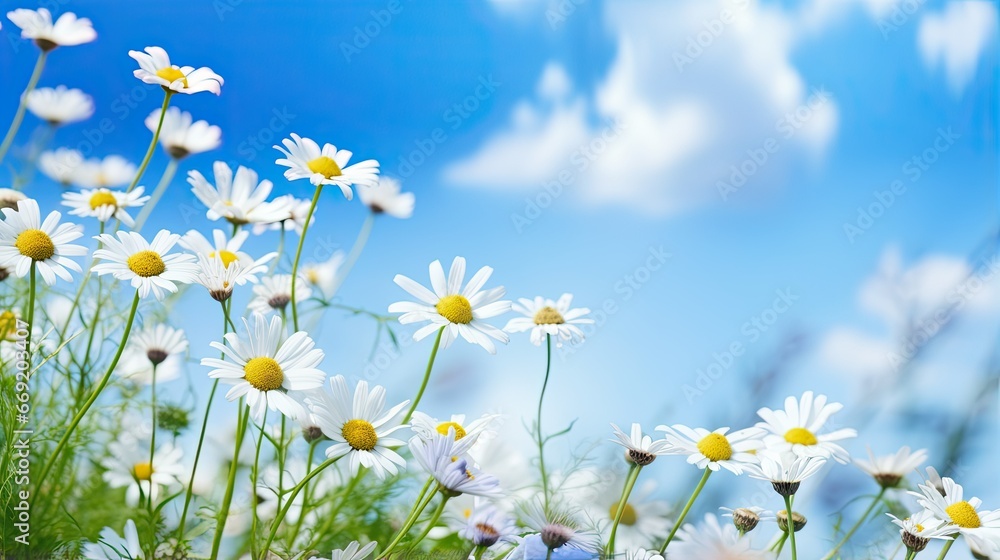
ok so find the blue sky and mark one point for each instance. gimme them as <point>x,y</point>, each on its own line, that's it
<point>497,97</point>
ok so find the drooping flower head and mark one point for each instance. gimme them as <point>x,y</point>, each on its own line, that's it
<point>240,199</point>
<point>181,135</point>
<point>890,470</point>
<point>60,105</point>
<point>155,68</point>
<point>640,449</point>
<point>385,198</point>
<point>67,31</point>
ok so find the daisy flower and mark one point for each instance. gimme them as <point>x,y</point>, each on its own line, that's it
<point>60,105</point>
<point>353,551</point>
<point>220,279</point>
<point>266,366</point>
<point>979,526</point>
<point>784,470</point>
<point>181,135</point>
<point>799,426</point>
<point>67,31</point>
<point>110,172</point>
<point>712,539</point>
<point>228,250</point>
<point>430,428</point>
<point>385,198</point>
<point>274,293</point>
<point>305,160</point>
<point>712,450</point>
<point>127,465</point>
<point>155,68</point>
<point>156,345</point>
<point>111,546</point>
<point>640,449</point>
<point>442,458</point>
<point>547,317</point>
<point>449,307</point>
<point>890,470</point>
<point>294,218</point>
<point>9,198</point>
<point>917,530</point>
<point>145,264</point>
<point>240,199</point>
<point>358,426</point>
<point>557,530</point>
<point>323,276</point>
<point>25,240</point>
<point>488,525</point>
<point>104,204</point>
<point>61,165</point>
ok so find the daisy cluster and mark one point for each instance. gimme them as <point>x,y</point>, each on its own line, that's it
<point>306,459</point>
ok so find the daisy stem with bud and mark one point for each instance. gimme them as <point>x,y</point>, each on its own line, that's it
<point>427,375</point>
<point>201,436</point>
<point>96,392</point>
<point>944,551</point>
<point>298,255</point>
<point>857,525</point>
<point>633,475</point>
<point>538,423</point>
<point>291,499</point>
<point>161,187</point>
<point>23,104</point>
<point>243,418</point>
<point>791,526</point>
<point>687,508</point>
<point>152,144</point>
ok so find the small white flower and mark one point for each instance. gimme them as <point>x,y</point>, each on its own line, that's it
<point>266,366</point>
<point>274,293</point>
<point>785,470</point>
<point>305,160</point>
<point>890,470</point>
<point>457,311</point>
<point>61,165</point>
<point>220,279</point>
<point>104,204</point>
<point>145,264</point>
<point>111,546</point>
<point>488,525</point>
<point>442,457</point>
<point>547,317</point>
<point>799,428</point>
<point>26,239</point>
<point>110,172</point>
<point>155,68</point>
<point>240,199</point>
<point>181,135</point>
<point>712,450</point>
<point>385,198</point>
<point>156,345</point>
<point>128,466</point>
<point>917,529</point>
<point>640,449</point>
<point>353,551</point>
<point>558,529</point>
<point>429,428</point>
<point>226,249</point>
<point>358,426</point>
<point>60,105</point>
<point>67,31</point>
<point>323,275</point>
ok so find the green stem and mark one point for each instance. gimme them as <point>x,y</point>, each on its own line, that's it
<point>352,257</point>
<point>220,521</point>
<point>944,551</point>
<point>305,497</point>
<point>427,376</point>
<point>538,423</point>
<point>791,525</point>
<point>633,475</point>
<point>687,508</point>
<point>152,143</point>
<point>253,483</point>
<point>96,393</point>
<point>910,554</point>
<point>857,525</point>
<point>291,498</point>
<point>152,436</point>
<point>31,312</point>
<point>79,291</point>
<point>298,255</point>
<point>161,187</point>
<point>23,105</point>
<point>430,524</point>
<point>418,508</point>
<point>778,546</point>
<point>281,460</point>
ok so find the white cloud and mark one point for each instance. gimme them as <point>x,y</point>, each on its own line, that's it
<point>694,89</point>
<point>956,37</point>
<point>854,352</point>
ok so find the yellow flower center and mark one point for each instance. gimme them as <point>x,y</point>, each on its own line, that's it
<point>629,516</point>
<point>143,471</point>
<point>459,430</point>
<point>312,276</point>
<point>228,257</point>
<point>35,244</point>
<point>146,263</point>
<point>716,447</point>
<point>102,198</point>
<point>919,528</point>
<point>801,436</point>
<point>964,515</point>
<point>360,434</point>
<point>172,75</point>
<point>548,316</point>
<point>263,373</point>
<point>8,324</point>
<point>456,309</point>
<point>325,167</point>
